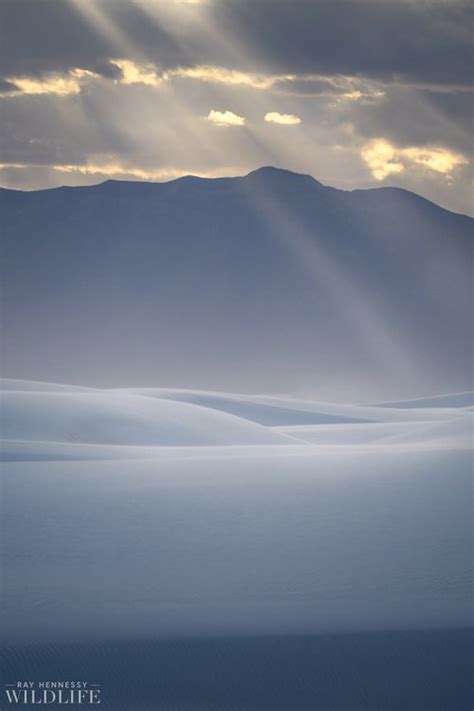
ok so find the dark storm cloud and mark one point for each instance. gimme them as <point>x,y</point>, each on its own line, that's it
<point>414,41</point>
<point>54,36</point>
<point>418,40</point>
<point>45,36</point>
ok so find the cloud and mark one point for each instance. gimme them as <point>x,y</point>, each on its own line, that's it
<point>55,84</point>
<point>441,160</point>
<point>283,119</point>
<point>366,97</point>
<point>394,40</point>
<point>223,75</point>
<point>225,118</point>
<point>345,87</point>
<point>384,159</point>
<point>72,82</point>
<point>127,71</point>
<point>428,41</point>
<point>380,156</point>
<point>5,166</point>
<point>120,171</point>
<point>133,73</point>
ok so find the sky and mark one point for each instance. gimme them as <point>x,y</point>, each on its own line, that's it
<point>357,93</point>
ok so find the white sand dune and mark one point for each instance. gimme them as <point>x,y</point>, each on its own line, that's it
<point>274,411</point>
<point>30,451</point>
<point>49,421</point>
<point>107,417</point>
<point>464,399</point>
<point>162,513</point>
<point>453,433</point>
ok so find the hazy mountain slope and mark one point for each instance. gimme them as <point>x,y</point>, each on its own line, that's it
<point>271,282</point>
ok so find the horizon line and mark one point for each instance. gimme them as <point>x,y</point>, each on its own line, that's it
<point>209,178</point>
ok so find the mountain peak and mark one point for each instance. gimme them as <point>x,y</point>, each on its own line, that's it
<point>269,172</point>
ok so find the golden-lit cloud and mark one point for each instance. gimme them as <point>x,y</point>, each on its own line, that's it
<point>83,74</point>
<point>345,87</point>
<point>365,95</point>
<point>72,82</point>
<point>133,73</point>
<point>225,118</point>
<point>120,171</point>
<point>283,119</point>
<point>54,84</point>
<point>230,77</point>
<point>6,166</point>
<point>440,160</point>
<point>107,170</point>
<point>151,76</point>
<point>384,159</point>
<point>380,156</point>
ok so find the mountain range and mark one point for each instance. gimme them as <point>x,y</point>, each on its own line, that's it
<point>270,283</point>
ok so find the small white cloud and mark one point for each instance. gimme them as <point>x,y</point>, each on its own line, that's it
<point>225,118</point>
<point>283,119</point>
<point>384,159</point>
